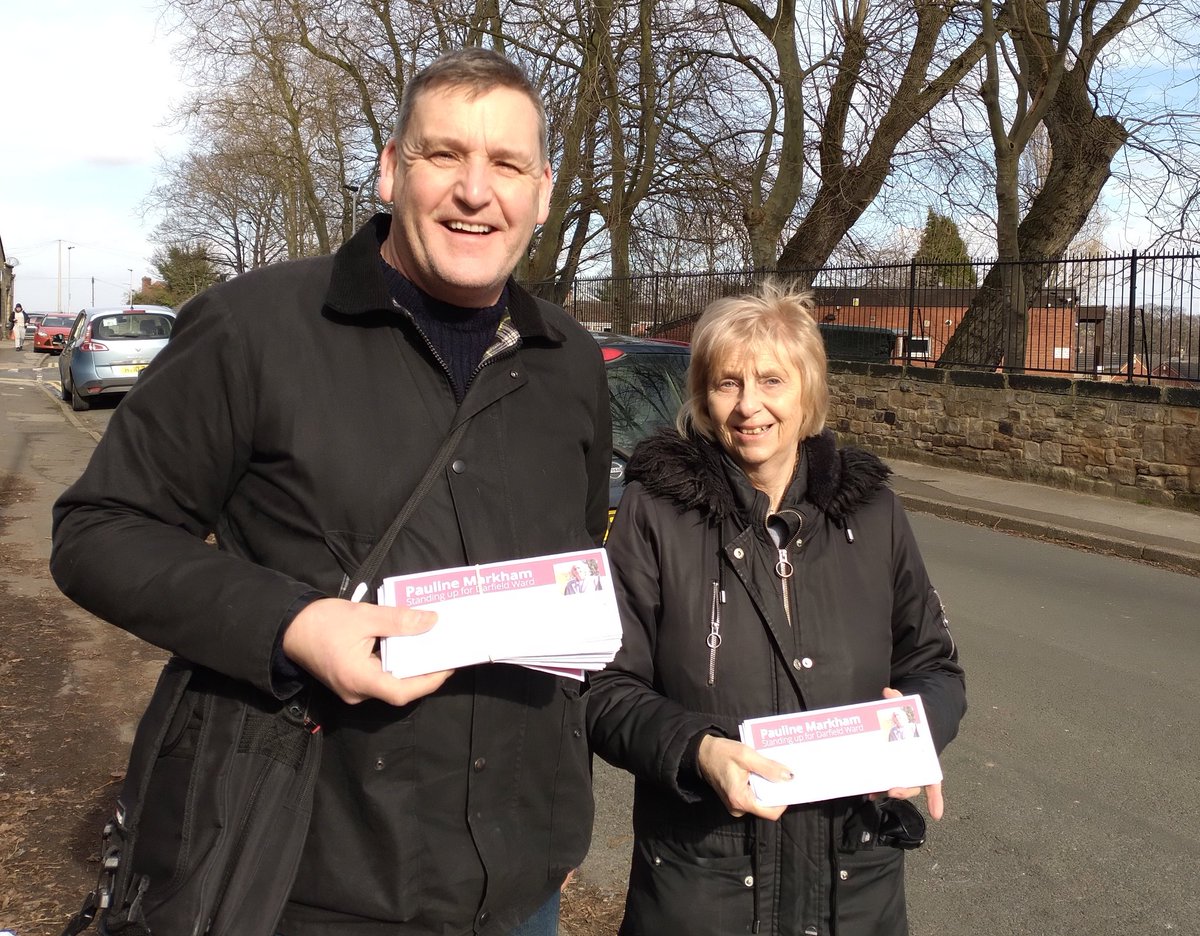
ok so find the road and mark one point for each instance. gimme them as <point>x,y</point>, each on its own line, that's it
<point>1073,790</point>
<point>1074,786</point>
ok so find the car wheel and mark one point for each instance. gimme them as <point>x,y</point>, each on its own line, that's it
<point>63,393</point>
<point>79,402</point>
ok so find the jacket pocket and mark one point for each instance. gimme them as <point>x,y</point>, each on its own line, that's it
<point>350,550</point>
<point>672,890</point>
<point>869,893</point>
<point>366,841</point>
<point>573,807</point>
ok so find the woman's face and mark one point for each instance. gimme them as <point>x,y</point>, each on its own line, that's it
<point>754,403</point>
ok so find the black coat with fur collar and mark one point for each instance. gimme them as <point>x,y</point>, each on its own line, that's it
<point>857,614</point>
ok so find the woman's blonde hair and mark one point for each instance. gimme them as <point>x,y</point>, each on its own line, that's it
<point>777,319</point>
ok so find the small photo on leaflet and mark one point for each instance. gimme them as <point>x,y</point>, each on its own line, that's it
<point>578,577</point>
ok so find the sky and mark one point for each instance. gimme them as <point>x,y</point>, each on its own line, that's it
<point>89,88</point>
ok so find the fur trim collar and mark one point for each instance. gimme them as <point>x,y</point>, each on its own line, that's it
<point>688,472</point>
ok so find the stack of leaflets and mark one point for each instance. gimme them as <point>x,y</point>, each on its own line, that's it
<point>871,747</point>
<point>556,614</point>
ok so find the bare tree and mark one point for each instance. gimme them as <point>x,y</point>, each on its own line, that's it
<point>741,132</point>
<point>897,63</point>
<point>262,112</point>
<point>1083,143</point>
<point>222,200</point>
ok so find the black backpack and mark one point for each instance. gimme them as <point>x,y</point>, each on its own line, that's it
<point>212,817</point>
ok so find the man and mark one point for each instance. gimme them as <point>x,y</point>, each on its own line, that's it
<point>292,414</point>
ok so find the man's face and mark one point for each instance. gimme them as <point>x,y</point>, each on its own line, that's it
<point>468,185</point>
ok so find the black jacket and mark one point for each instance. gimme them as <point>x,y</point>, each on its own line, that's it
<point>857,614</point>
<point>292,413</point>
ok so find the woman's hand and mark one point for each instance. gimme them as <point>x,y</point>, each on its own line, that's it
<point>726,766</point>
<point>933,792</point>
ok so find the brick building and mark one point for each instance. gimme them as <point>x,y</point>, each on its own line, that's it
<point>6,287</point>
<point>923,321</point>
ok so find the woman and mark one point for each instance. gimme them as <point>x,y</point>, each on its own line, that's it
<point>760,570</point>
<point>18,327</point>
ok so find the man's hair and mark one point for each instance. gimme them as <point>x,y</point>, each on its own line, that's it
<point>776,319</point>
<point>475,71</point>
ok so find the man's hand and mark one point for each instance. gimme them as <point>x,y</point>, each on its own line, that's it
<point>334,640</point>
<point>726,766</point>
<point>933,792</point>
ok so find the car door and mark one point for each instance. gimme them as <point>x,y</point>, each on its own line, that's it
<point>64,359</point>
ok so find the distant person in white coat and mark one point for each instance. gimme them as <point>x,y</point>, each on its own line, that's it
<point>18,327</point>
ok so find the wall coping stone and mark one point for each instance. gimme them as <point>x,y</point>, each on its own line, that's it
<point>965,378</point>
<point>1182,396</point>
<point>1125,392</point>
<point>862,368</point>
<point>1040,383</point>
<point>927,374</point>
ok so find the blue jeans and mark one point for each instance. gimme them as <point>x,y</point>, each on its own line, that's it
<point>544,921</point>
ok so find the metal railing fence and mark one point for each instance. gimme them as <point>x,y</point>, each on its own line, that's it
<point>1120,318</point>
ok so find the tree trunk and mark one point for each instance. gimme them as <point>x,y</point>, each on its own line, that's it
<point>1084,144</point>
<point>848,188</point>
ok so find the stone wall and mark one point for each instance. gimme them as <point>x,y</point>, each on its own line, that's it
<point>1131,441</point>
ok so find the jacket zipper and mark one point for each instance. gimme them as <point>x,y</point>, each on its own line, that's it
<point>784,569</point>
<point>494,352</point>
<point>714,632</point>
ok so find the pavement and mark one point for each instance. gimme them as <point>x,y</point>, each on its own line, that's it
<point>1158,535</point>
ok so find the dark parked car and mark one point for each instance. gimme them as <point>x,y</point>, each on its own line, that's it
<point>108,348</point>
<point>647,383</point>
<point>51,333</point>
<point>859,343</point>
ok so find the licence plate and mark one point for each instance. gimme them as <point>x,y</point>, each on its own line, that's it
<point>130,369</point>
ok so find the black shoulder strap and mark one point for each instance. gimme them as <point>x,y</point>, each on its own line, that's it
<point>359,585</point>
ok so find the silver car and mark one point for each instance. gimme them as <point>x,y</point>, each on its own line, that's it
<point>107,349</point>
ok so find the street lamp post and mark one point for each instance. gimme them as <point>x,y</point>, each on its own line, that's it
<point>353,190</point>
<point>69,249</point>
<point>130,269</point>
